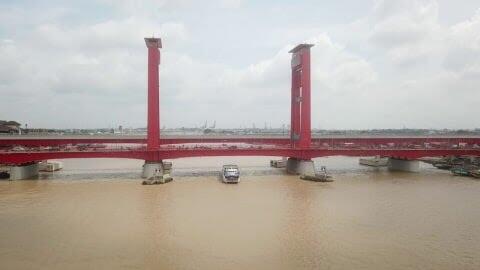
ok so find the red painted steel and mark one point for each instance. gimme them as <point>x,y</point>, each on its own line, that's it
<point>293,109</point>
<point>295,101</point>
<point>16,158</point>
<point>305,133</point>
<point>359,141</point>
<point>153,125</point>
<point>300,99</point>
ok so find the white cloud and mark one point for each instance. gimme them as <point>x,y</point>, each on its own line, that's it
<point>231,3</point>
<point>338,70</point>
<point>463,55</point>
<point>407,29</point>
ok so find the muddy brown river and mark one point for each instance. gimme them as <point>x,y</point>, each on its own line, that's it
<point>95,215</point>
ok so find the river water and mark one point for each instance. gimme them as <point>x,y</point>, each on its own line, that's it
<point>95,215</point>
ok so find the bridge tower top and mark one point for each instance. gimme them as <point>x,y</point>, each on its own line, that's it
<point>153,42</point>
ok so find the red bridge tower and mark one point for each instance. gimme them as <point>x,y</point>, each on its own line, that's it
<point>300,130</point>
<point>153,164</point>
<point>153,125</point>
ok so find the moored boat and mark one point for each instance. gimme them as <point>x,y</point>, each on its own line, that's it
<point>50,166</point>
<point>460,171</point>
<point>282,163</point>
<point>158,178</point>
<point>322,176</point>
<point>317,178</point>
<point>442,165</point>
<point>475,173</point>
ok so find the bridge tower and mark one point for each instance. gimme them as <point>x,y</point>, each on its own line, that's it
<point>300,121</point>
<point>153,124</point>
<point>154,165</point>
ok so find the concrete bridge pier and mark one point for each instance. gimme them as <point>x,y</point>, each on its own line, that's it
<point>24,171</point>
<point>299,166</point>
<point>403,165</point>
<point>152,168</point>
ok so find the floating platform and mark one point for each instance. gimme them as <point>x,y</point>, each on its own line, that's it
<point>156,180</point>
<point>317,177</point>
<point>50,166</point>
<point>323,176</point>
<point>281,163</point>
<point>466,170</point>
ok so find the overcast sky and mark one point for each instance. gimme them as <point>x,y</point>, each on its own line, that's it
<point>375,64</point>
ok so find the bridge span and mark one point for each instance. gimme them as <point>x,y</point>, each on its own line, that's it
<point>20,158</point>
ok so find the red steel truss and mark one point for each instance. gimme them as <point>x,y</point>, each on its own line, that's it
<point>24,149</point>
<point>16,158</point>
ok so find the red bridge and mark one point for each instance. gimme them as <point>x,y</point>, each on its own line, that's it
<point>299,147</point>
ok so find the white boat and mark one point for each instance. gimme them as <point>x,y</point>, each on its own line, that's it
<point>282,163</point>
<point>230,174</point>
<point>50,166</point>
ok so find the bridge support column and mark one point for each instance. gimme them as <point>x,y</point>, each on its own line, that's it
<point>403,165</point>
<point>24,171</point>
<point>152,168</point>
<point>156,172</point>
<point>299,166</point>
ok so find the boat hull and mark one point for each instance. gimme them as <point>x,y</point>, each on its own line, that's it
<point>317,178</point>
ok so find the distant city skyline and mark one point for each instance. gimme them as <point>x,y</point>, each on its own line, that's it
<point>375,64</point>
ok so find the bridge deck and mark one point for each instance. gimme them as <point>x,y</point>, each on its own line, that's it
<point>24,149</point>
<point>19,157</point>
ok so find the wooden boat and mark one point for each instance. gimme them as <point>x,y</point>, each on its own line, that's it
<point>317,178</point>
<point>443,166</point>
<point>475,173</point>
<point>158,179</point>
<point>460,171</point>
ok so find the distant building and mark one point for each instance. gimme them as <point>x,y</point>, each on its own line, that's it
<point>10,127</point>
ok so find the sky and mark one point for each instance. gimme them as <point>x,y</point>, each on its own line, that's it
<point>375,63</point>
